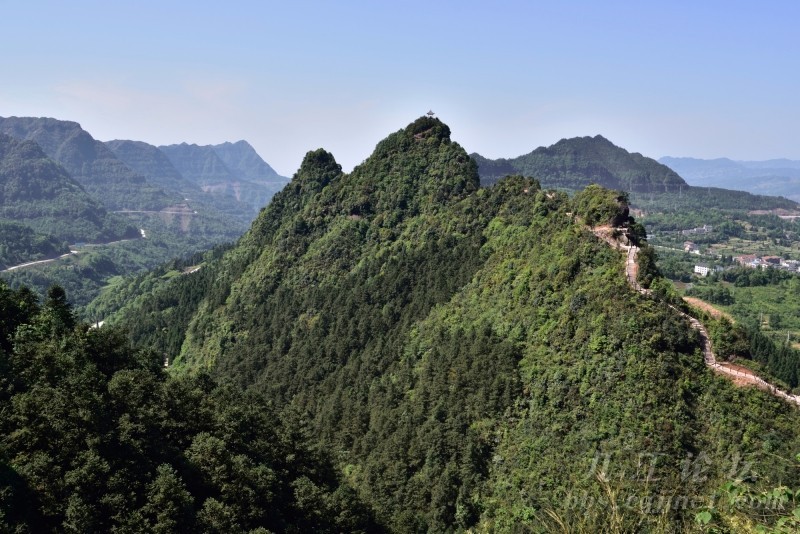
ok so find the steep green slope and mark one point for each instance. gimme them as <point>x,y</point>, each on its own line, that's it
<point>95,437</point>
<point>577,162</point>
<point>89,162</point>
<point>163,299</point>
<point>39,192</point>
<point>467,354</point>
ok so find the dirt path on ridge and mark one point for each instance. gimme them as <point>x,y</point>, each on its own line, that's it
<point>736,373</point>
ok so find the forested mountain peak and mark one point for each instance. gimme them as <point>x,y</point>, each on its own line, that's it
<point>427,127</point>
<point>418,166</point>
<point>466,354</point>
<point>412,170</point>
<point>317,170</point>
<point>575,163</point>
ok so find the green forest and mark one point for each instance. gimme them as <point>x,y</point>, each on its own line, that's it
<point>470,358</point>
<point>574,163</point>
<point>40,193</point>
<point>96,437</point>
<point>19,244</point>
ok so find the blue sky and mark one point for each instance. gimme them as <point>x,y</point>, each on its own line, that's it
<point>701,78</point>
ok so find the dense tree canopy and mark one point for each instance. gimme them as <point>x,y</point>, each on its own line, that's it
<point>96,437</point>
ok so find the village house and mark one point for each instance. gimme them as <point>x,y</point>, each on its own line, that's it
<point>705,229</point>
<point>690,246</point>
<point>791,265</point>
<point>748,260</point>
<point>702,269</point>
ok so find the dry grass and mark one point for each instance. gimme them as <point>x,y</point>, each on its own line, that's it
<point>708,308</point>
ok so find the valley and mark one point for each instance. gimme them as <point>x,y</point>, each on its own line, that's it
<point>63,186</point>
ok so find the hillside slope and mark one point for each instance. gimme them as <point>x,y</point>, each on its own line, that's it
<point>472,357</point>
<point>577,162</point>
<point>40,193</point>
<point>95,437</point>
<point>89,162</point>
<point>20,244</point>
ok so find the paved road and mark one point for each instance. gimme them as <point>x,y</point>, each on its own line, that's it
<point>28,264</point>
<point>71,252</point>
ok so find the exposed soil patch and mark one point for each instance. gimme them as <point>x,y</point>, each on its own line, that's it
<point>708,308</point>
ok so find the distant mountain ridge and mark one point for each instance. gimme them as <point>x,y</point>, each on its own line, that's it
<point>577,162</point>
<point>200,164</point>
<point>241,158</point>
<point>137,180</point>
<point>770,177</point>
<point>152,163</point>
<point>90,163</point>
<point>40,193</point>
<point>233,170</point>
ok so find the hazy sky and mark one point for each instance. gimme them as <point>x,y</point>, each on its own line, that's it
<point>682,78</point>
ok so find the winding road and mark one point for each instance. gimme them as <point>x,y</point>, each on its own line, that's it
<point>70,253</point>
<point>738,374</point>
<point>39,262</point>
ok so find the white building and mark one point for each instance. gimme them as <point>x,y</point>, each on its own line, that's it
<point>702,270</point>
